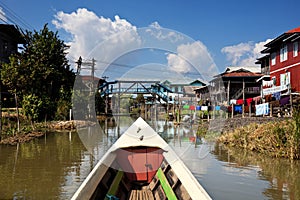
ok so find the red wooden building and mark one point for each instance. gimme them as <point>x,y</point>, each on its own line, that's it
<point>282,61</point>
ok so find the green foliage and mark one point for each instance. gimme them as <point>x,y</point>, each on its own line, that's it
<point>278,139</point>
<point>296,119</point>
<point>36,108</point>
<point>140,98</point>
<point>31,106</point>
<point>40,74</point>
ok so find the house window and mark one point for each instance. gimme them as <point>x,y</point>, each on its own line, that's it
<point>179,89</point>
<point>274,80</point>
<point>295,49</point>
<point>273,58</point>
<point>283,53</point>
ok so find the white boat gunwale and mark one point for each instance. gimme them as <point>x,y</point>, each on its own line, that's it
<point>141,134</point>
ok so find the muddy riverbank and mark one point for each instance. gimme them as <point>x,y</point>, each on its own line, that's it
<point>29,133</point>
<point>230,124</point>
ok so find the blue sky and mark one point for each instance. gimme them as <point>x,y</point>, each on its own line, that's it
<point>232,31</point>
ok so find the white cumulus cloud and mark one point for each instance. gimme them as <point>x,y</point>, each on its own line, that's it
<point>98,37</point>
<point>192,57</point>
<point>244,54</point>
<point>164,34</point>
<point>106,40</point>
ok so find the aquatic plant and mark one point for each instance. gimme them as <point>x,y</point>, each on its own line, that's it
<point>277,139</point>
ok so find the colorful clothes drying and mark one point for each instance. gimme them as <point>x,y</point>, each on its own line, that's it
<point>249,100</point>
<point>284,101</point>
<point>262,109</point>
<point>238,108</point>
<point>204,108</point>
<point>232,101</point>
<point>267,83</point>
<point>240,101</point>
<point>276,95</point>
<point>257,99</point>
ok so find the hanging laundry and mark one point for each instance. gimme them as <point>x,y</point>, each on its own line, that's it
<point>204,108</point>
<point>262,109</point>
<point>229,109</point>
<point>238,108</point>
<point>186,107</point>
<point>192,107</point>
<point>257,99</point>
<point>276,95</point>
<point>249,100</point>
<point>218,108</point>
<point>232,101</point>
<point>267,83</point>
<point>285,100</point>
<point>240,101</point>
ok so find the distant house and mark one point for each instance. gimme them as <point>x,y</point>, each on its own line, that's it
<point>189,90</point>
<point>235,83</point>
<point>10,38</point>
<point>282,62</point>
<point>183,89</point>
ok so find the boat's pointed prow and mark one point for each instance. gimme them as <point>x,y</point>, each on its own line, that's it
<point>140,162</point>
<point>140,133</point>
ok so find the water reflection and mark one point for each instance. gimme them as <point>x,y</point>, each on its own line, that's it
<point>47,167</point>
<point>282,175</point>
<point>54,166</point>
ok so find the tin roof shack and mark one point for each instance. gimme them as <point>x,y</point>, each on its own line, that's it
<point>236,83</point>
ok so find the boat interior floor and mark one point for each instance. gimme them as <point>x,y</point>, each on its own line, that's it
<point>145,194</point>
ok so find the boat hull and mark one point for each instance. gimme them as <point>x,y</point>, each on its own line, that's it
<point>140,165</point>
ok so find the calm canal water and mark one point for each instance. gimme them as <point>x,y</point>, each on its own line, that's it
<point>54,166</point>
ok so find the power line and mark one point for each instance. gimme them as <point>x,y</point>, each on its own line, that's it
<point>125,67</point>
<point>12,17</point>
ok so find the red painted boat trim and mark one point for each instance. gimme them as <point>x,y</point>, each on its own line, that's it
<point>140,163</point>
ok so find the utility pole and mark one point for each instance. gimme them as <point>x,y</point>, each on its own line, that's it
<point>79,62</point>
<point>88,65</point>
